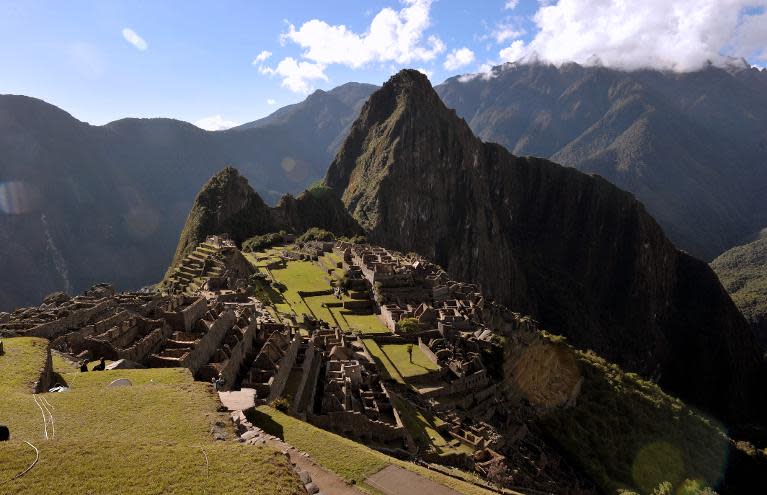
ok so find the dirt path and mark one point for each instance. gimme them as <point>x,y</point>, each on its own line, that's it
<point>394,480</point>
<point>329,483</point>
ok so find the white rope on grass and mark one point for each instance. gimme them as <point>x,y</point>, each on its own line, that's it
<point>207,470</point>
<point>51,420</point>
<point>37,458</point>
<point>45,420</point>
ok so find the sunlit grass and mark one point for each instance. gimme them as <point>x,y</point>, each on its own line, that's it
<point>145,438</point>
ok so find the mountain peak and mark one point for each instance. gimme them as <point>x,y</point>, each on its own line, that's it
<point>579,254</point>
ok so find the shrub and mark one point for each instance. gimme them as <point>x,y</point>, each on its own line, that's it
<point>280,404</point>
<point>315,234</point>
<point>261,242</point>
<point>408,325</point>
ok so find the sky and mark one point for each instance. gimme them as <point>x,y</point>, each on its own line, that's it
<point>222,63</point>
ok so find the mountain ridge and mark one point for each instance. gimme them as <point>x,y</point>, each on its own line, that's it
<point>689,145</point>
<point>416,178</point>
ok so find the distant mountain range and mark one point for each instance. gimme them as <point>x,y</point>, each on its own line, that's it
<point>107,203</point>
<point>692,146</point>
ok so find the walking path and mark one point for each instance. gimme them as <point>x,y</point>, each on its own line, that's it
<point>394,480</point>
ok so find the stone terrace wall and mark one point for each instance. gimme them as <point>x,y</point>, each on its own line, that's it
<point>357,425</point>
<point>207,346</point>
<point>280,379</point>
<point>243,348</point>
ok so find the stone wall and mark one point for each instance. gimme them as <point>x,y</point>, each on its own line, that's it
<point>75,319</point>
<point>207,346</point>
<point>45,381</point>
<point>280,379</point>
<point>357,425</point>
<point>305,393</point>
<point>243,348</point>
<point>185,318</point>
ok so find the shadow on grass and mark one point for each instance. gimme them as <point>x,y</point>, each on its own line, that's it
<point>266,423</point>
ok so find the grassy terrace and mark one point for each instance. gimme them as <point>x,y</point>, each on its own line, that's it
<point>393,359</point>
<point>310,276</point>
<point>348,459</point>
<point>151,437</point>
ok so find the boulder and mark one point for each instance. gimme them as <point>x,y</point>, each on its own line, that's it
<point>120,382</point>
<point>312,488</point>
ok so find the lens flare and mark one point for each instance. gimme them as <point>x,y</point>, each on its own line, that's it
<point>19,197</point>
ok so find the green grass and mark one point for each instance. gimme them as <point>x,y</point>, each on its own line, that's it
<point>422,426</point>
<point>145,438</point>
<point>309,276</point>
<point>394,359</point>
<point>350,460</point>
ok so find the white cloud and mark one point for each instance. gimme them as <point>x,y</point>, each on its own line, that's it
<point>393,36</point>
<point>458,58</point>
<point>262,57</point>
<point>134,39</point>
<point>511,4</point>
<point>667,34</point>
<point>426,72</point>
<point>506,31</point>
<point>271,101</point>
<point>516,51</point>
<point>215,123</point>
<point>296,76</point>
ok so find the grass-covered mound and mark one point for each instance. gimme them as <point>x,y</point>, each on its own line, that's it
<point>151,437</point>
<point>626,433</point>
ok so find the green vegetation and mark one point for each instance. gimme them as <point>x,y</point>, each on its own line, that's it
<point>308,276</point>
<point>348,459</point>
<point>408,325</point>
<point>96,445</point>
<point>394,361</point>
<point>261,242</point>
<point>743,272</point>
<point>315,234</point>
<point>627,434</point>
<point>687,487</point>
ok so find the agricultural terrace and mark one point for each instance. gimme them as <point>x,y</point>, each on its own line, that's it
<point>95,445</point>
<point>308,276</point>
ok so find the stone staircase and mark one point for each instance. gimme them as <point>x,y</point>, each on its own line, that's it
<point>195,269</point>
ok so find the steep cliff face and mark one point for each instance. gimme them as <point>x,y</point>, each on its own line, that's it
<point>578,253</point>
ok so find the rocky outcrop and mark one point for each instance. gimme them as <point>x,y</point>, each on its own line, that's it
<point>576,252</point>
<point>225,205</point>
<point>315,207</point>
<point>228,205</point>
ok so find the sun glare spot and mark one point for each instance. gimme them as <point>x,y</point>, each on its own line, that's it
<point>19,197</point>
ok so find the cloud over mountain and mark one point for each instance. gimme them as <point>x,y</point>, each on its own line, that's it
<point>680,35</point>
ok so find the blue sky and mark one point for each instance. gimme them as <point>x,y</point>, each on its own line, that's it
<point>104,60</point>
